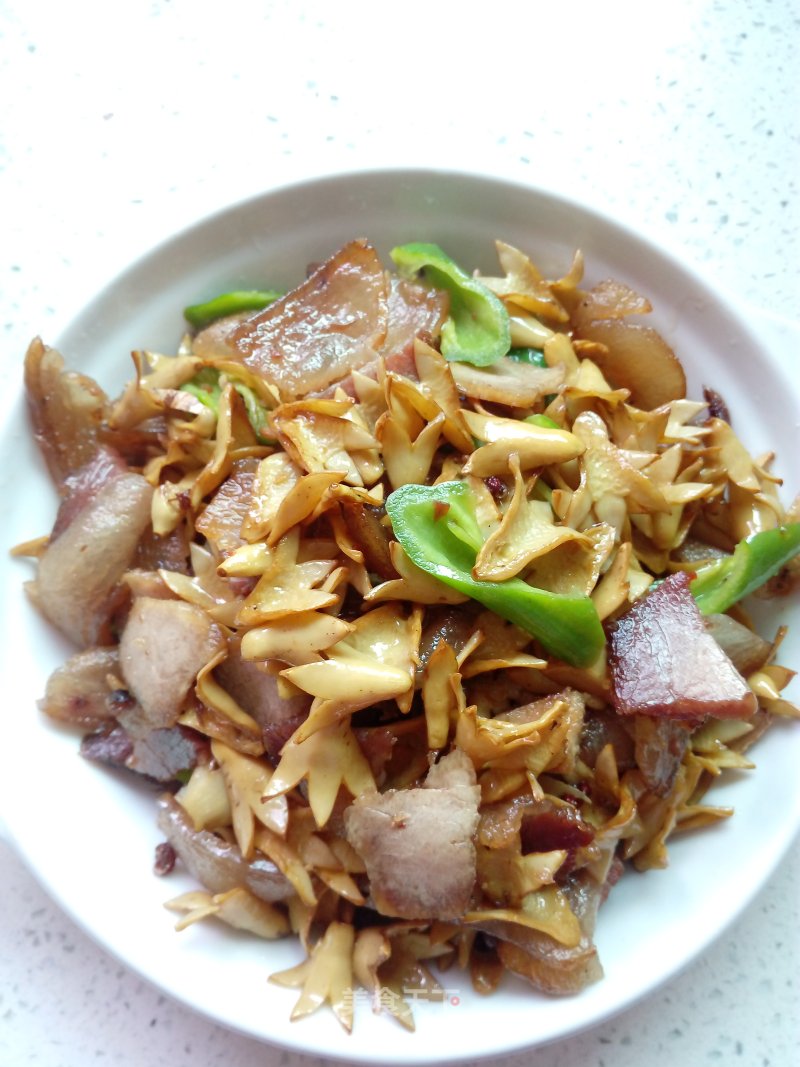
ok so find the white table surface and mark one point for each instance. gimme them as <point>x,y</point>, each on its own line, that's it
<point>121,122</point>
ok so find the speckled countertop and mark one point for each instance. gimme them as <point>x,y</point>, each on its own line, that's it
<point>123,122</point>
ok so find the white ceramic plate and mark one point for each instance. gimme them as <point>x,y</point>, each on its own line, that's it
<point>89,834</point>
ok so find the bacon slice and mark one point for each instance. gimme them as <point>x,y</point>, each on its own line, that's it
<point>105,513</point>
<point>417,844</point>
<point>67,410</point>
<point>160,755</point>
<point>545,826</point>
<point>78,691</point>
<point>664,661</point>
<point>163,646</point>
<point>332,323</point>
<point>660,745</point>
<point>82,487</point>
<point>214,862</point>
<point>221,521</point>
<point>257,692</point>
<point>413,311</point>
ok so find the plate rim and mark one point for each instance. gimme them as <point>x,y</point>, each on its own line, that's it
<point>605,219</point>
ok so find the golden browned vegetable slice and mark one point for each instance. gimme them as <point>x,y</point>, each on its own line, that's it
<point>417,844</point>
<point>315,335</point>
<point>507,381</point>
<point>638,358</point>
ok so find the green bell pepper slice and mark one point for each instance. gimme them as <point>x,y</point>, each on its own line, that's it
<point>437,527</point>
<point>477,329</point>
<point>542,420</point>
<point>528,355</point>
<point>754,561</point>
<point>202,315</point>
<point>205,386</point>
<point>534,358</point>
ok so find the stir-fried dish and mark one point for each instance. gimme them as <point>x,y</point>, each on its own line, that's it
<point>420,594</point>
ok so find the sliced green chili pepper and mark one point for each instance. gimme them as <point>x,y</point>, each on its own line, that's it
<point>542,420</point>
<point>528,355</point>
<point>753,562</point>
<point>477,330</point>
<point>202,315</point>
<point>437,527</point>
<point>256,412</point>
<point>534,358</point>
<point>206,387</point>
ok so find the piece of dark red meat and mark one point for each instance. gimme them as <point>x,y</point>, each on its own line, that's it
<point>160,755</point>
<point>663,660</point>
